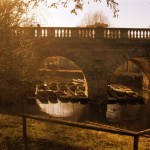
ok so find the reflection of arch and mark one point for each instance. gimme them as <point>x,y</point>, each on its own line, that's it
<point>62,58</point>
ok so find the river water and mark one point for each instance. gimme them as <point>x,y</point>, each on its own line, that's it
<point>128,116</point>
<point>133,117</point>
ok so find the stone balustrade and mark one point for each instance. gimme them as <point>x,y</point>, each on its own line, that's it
<point>89,33</point>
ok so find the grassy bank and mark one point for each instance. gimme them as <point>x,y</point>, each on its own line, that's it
<point>45,136</point>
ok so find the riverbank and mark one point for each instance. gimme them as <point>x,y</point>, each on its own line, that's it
<point>47,136</point>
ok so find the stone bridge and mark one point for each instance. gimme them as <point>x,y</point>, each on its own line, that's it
<point>97,51</point>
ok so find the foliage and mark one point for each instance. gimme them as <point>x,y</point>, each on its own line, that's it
<point>24,64</point>
<point>17,55</point>
<point>97,19</point>
<point>98,25</point>
<point>13,13</point>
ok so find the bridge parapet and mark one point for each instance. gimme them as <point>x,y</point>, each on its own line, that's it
<point>88,33</point>
<point>126,33</point>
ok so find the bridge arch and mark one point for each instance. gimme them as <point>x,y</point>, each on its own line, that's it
<point>141,60</point>
<point>97,56</point>
<point>59,63</point>
<point>79,54</point>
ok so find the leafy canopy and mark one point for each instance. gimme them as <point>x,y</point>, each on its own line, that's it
<point>17,55</point>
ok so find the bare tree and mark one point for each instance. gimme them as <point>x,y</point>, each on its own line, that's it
<point>78,5</point>
<point>97,19</point>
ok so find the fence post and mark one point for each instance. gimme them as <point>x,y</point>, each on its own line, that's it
<point>24,128</point>
<point>136,141</point>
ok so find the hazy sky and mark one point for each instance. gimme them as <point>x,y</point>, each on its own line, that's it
<point>133,13</point>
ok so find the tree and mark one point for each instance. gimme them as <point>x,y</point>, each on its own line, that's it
<point>17,55</point>
<point>97,19</point>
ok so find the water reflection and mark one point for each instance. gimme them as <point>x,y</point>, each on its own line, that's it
<point>130,116</point>
<point>113,113</point>
<point>63,109</point>
<point>129,112</point>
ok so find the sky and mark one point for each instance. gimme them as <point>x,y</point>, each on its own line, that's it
<point>132,14</point>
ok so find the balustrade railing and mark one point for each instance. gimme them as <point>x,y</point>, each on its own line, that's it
<point>89,33</point>
<point>139,33</point>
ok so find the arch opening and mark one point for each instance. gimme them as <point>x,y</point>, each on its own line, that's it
<point>61,70</point>
<point>65,88</point>
<point>129,74</point>
<point>134,73</point>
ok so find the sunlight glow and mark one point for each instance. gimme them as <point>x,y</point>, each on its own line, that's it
<point>133,13</point>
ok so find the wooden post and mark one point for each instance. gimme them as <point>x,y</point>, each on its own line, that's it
<point>24,128</point>
<point>136,141</point>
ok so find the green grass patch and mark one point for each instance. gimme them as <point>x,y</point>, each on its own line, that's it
<point>47,136</point>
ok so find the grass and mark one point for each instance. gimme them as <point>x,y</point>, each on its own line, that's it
<point>46,136</point>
